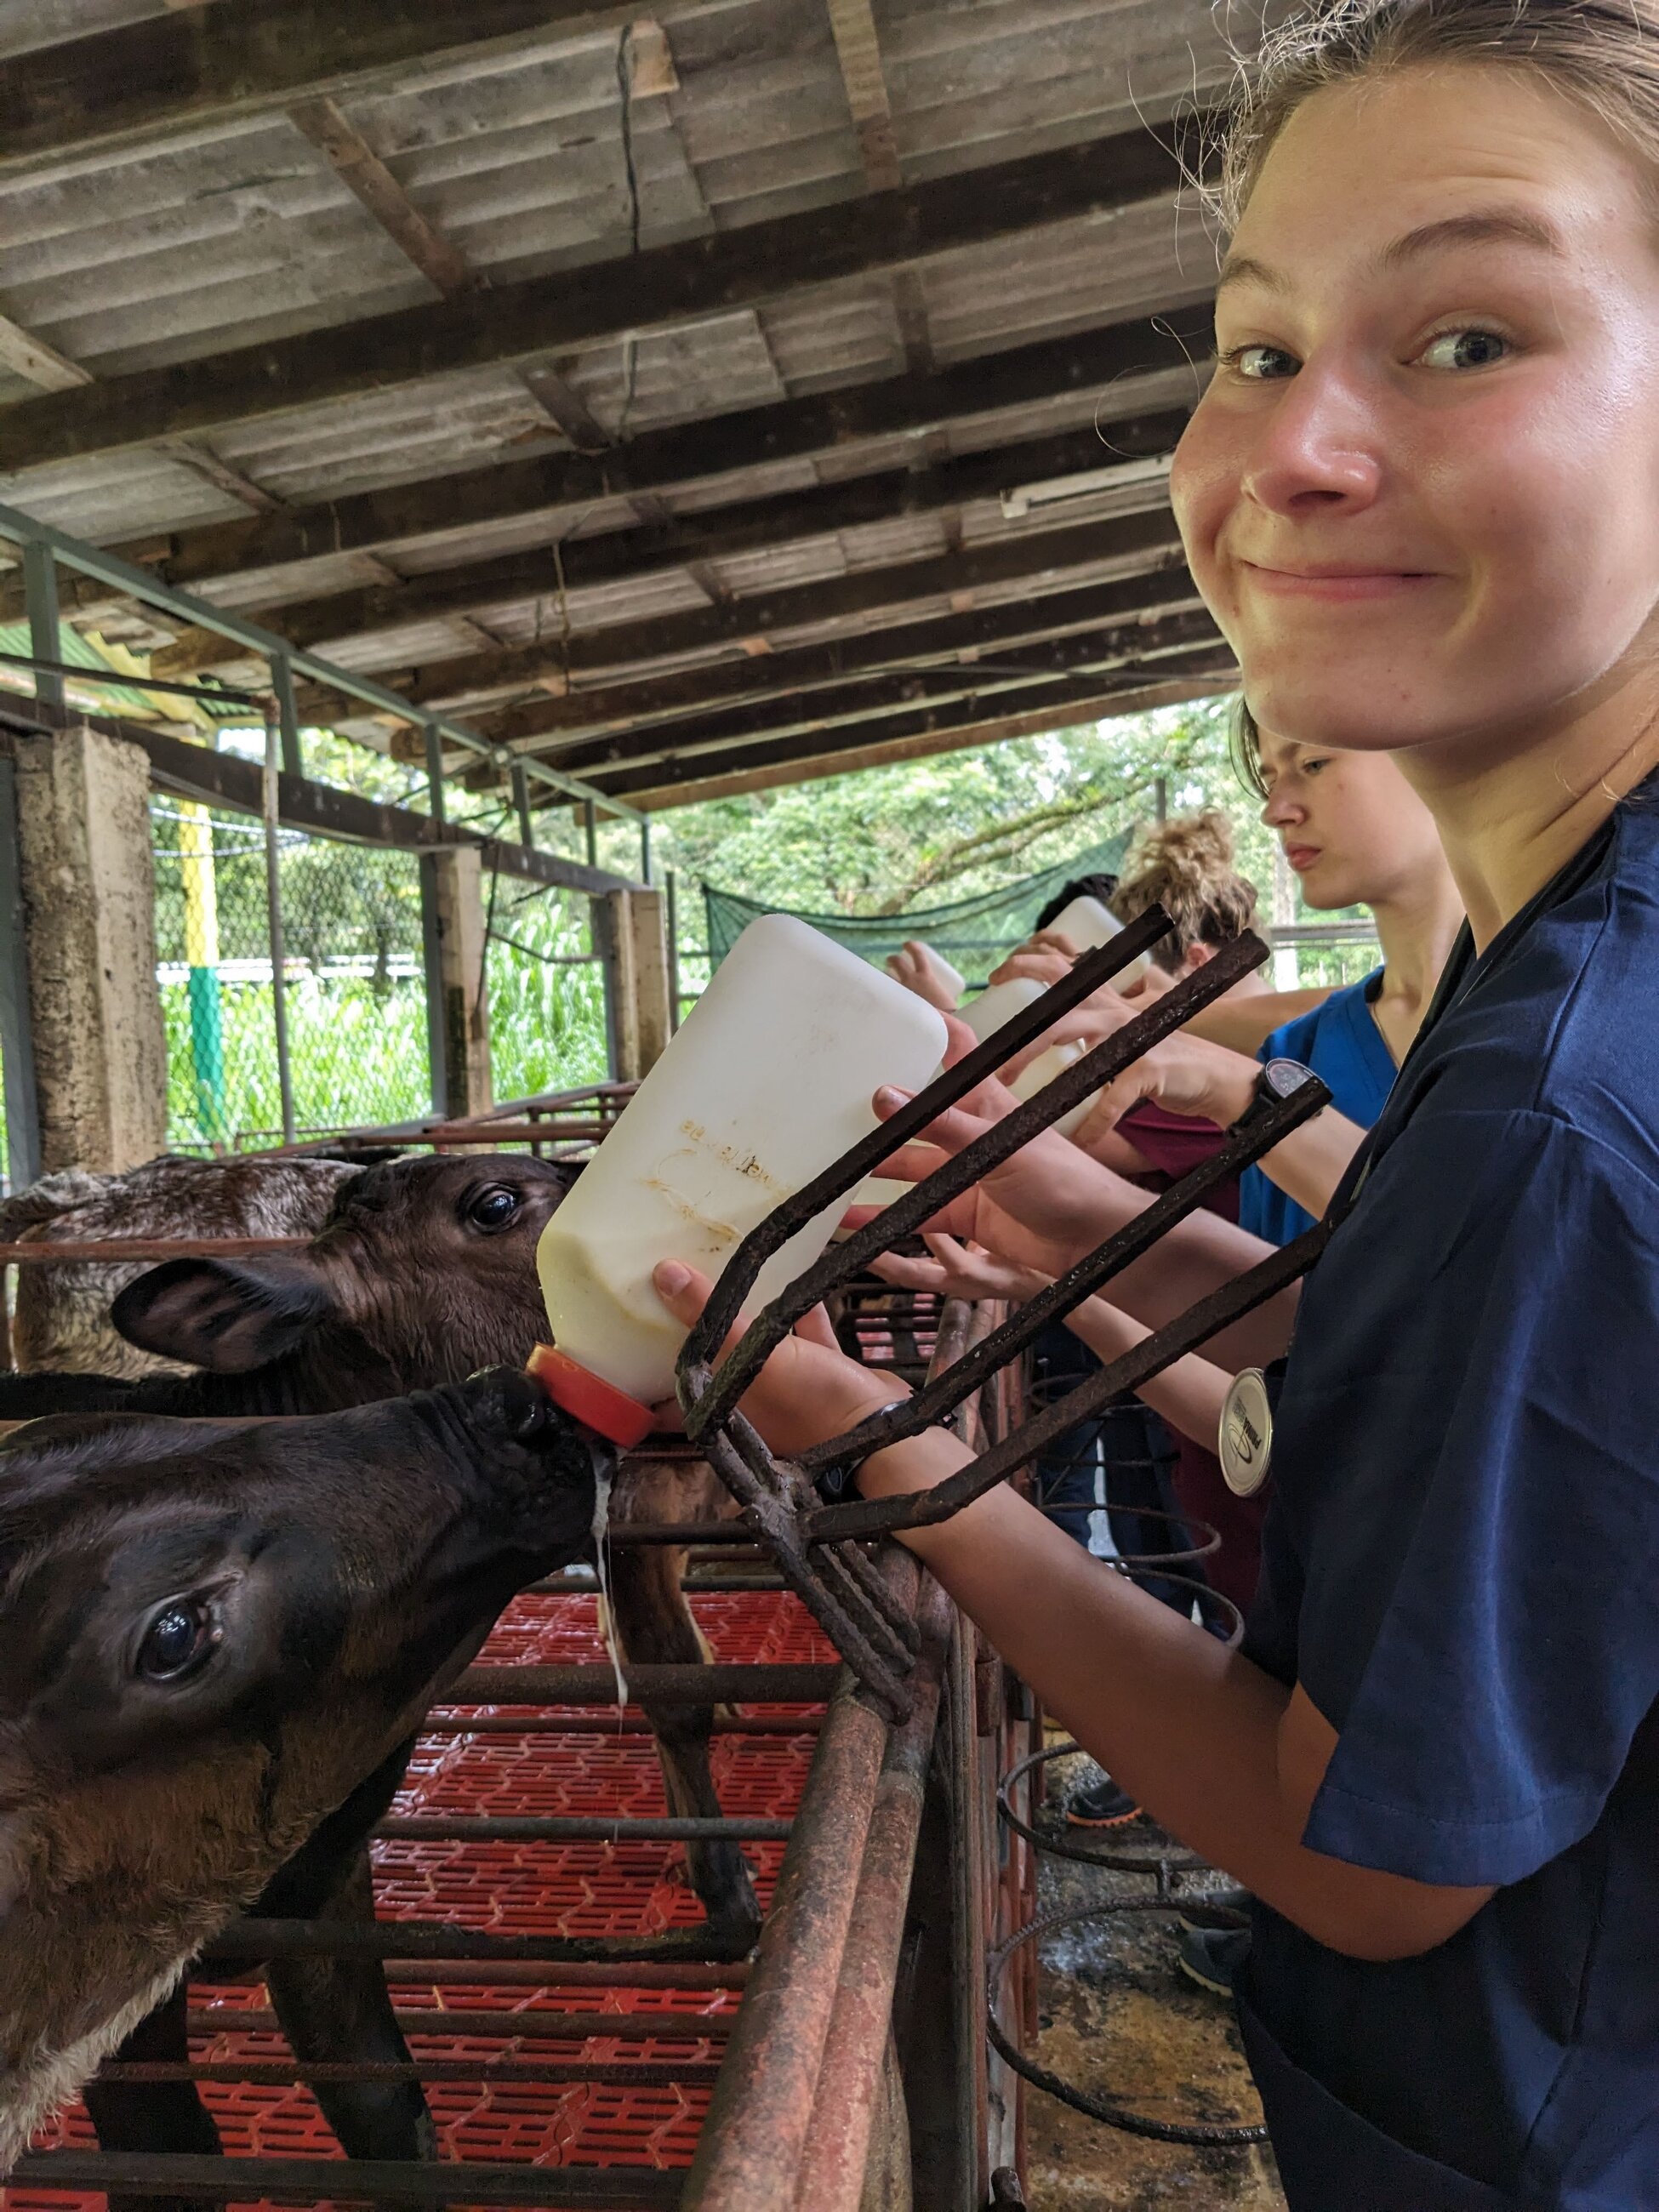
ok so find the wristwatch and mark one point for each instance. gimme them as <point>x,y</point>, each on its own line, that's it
<point>1279,1079</point>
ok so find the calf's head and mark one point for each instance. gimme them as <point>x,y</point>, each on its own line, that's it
<point>424,1271</point>
<point>210,1636</point>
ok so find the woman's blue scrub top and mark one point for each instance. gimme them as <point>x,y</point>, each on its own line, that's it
<point>1461,1566</point>
<point>1342,1044</point>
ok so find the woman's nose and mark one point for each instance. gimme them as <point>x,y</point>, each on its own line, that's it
<point>1315,450</point>
<point>1282,810</point>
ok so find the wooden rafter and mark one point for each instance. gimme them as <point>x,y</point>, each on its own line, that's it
<point>666,545</point>
<point>320,122</point>
<point>440,260</point>
<point>1079,671</point>
<point>48,370</point>
<point>652,289</point>
<point>859,52</point>
<point>201,64</point>
<point>1055,561</point>
<point>807,767</point>
<point>1107,363</point>
<point>1058,627</point>
<point>945,728</point>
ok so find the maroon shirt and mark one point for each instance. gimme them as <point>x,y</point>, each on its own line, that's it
<point>1173,1146</point>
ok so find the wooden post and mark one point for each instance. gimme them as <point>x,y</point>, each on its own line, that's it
<point>632,943</point>
<point>457,981</point>
<point>85,887</point>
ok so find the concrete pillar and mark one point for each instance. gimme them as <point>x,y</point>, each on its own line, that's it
<point>85,886</point>
<point>631,938</point>
<point>457,981</point>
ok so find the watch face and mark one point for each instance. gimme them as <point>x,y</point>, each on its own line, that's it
<point>1246,1442</point>
<point>1285,1077</point>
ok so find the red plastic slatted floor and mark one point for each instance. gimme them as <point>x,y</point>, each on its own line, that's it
<point>571,1889</point>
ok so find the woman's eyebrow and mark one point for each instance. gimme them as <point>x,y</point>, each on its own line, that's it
<point>1488,227</point>
<point>1482,227</point>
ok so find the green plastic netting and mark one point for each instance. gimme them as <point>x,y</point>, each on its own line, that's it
<point>974,934</point>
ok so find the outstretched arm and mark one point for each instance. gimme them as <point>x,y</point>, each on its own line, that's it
<point>1224,1756</point>
<point>1189,1394</point>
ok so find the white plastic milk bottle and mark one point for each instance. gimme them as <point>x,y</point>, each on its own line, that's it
<point>768,1081</point>
<point>1088,924</point>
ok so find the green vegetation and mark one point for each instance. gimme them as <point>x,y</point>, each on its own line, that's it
<point>884,841</point>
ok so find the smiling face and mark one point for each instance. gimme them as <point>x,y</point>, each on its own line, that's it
<point>1354,830</point>
<point>1421,493</point>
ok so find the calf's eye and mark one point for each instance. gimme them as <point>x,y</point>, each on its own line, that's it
<point>177,1640</point>
<point>494,1208</point>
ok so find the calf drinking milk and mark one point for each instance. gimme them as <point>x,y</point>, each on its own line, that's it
<point>211,1637</point>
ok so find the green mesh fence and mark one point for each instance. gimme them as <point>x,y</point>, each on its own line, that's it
<point>975,935</point>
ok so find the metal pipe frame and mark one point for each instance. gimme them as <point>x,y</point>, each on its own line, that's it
<point>815,1543</point>
<point>40,541</point>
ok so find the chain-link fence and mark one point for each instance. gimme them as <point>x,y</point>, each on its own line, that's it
<point>355,983</point>
<point>547,1018</point>
<point>356,988</point>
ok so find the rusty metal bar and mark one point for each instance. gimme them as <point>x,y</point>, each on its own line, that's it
<point>762,2106</point>
<point>720,1685</point>
<point>492,2025</point>
<point>286,2073</point>
<point>834,2157</point>
<point>252,1939</point>
<point>708,1397</point>
<point>329,2180</point>
<point>574,1828</point>
<point>875,1517</point>
<point>103,1250</point>
<point>522,1974</point>
<point>507,1974</point>
<point>765,1726</point>
<point>948,1388</point>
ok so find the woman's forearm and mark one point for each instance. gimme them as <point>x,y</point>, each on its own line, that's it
<point>1189,1262</point>
<point>1189,1395</point>
<point>1217,1751</point>
<point>1245,1024</point>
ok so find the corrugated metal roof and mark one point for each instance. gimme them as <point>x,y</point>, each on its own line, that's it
<point>235,229</point>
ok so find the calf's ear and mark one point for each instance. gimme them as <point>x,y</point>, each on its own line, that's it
<point>229,1316</point>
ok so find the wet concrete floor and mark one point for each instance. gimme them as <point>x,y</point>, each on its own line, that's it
<point>1119,2020</point>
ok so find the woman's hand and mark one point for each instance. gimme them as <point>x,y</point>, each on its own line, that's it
<point>960,1271</point>
<point>912,966</point>
<point>1184,1075</point>
<point>1042,959</point>
<point>808,1390</point>
<point>1041,1210</point>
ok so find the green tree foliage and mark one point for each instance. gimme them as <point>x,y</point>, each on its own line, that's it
<point>927,832</point>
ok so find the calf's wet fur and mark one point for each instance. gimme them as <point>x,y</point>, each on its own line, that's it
<point>213,1639</point>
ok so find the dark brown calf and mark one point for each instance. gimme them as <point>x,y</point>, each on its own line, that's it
<point>214,1643</point>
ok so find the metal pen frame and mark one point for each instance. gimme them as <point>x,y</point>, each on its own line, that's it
<point>819,1545</point>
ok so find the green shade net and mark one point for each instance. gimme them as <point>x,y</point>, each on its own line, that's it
<point>975,935</point>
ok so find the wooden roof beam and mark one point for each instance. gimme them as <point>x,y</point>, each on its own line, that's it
<point>1062,624</point>
<point>668,461</point>
<point>1011,714</point>
<point>170,73</point>
<point>48,370</point>
<point>1081,671</point>
<point>859,52</point>
<point>365,176</point>
<point>632,557</point>
<point>440,260</point>
<point>1051,562</point>
<point>736,783</point>
<point>599,304</point>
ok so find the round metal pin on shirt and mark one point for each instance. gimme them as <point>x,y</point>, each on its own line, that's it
<point>1246,1444</point>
